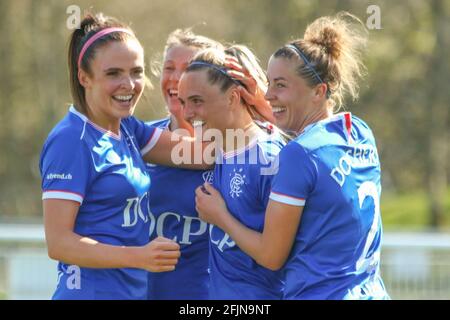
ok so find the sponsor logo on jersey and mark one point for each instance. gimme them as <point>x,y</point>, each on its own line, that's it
<point>60,176</point>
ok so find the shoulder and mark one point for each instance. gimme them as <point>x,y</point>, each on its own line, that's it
<point>160,123</point>
<point>295,155</point>
<point>292,150</point>
<point>361,130</point>
<point>67,134</point>
<point>271,142</point>
<point>133,124</point>
<point>65,144</point>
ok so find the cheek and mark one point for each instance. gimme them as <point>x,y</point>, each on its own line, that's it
<point>103,89</point>
<point>110,86</point>
<point>207,113</point>
<point>163,82</point>
<point>139,85</point>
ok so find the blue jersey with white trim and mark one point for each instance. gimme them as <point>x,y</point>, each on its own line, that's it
<point>244,180</point>
<point>333,170</point>
<point>173,215</point>
<point>105,173</point>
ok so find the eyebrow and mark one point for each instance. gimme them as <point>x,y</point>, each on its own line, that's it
<point>174,62</point>
<point>194,97</point>
<point>112,69</point>
<point>279,78</point>
<point>120,69</point>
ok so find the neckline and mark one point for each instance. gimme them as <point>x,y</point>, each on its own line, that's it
<point>251,144</point>
<point>341,115</point>
<point>94,125</point>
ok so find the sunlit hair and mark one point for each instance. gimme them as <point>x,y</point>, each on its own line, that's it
<point>248,61</point>
<point>333,46</point>
<point>217,57</point>
<point>90,25</point>
<point>185,38</point>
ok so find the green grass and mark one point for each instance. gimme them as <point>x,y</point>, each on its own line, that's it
<point>410,211</point>
<point>2,295</point>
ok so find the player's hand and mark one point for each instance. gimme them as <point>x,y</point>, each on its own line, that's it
<point>159,255</point>
<point>251,92</point>
<point>210,205</point>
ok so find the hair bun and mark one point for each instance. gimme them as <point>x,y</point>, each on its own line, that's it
<point>329,39</point>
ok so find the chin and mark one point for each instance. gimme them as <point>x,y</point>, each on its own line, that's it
<point>127,113</point>
<point>282,125</point>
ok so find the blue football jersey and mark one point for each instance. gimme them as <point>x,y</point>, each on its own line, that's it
<point>244,178</point>
<point>105,173</point>
<point>173,215</point>
<point>333,170</point>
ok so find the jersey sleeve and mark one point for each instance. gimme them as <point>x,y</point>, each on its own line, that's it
<point>65,168</point>
<point>296,176</point>
<point>146,134</point>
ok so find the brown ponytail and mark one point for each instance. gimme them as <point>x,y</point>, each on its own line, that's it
<point>90,25</point>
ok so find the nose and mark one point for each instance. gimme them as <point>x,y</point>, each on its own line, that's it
<point>128,83</point>
<point>176,75</point>
<point>269,96</point>
<point>189,112</point>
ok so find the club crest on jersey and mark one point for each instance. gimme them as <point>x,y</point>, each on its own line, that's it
<point>236,182</point>
<point>208,176</point>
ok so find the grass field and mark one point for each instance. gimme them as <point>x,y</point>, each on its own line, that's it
<point>410,211</point>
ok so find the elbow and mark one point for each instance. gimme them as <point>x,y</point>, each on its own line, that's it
<point>274,266</point>
<point>272,263</point>
<point>54,251</point>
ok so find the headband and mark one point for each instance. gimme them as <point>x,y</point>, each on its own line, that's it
<point>217,68</point>
<point>308,64</point>
<point>264,110</point>
<point>95,37</point>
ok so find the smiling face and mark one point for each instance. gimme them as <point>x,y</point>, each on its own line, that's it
<point>203,101</point>
<point>175,62</point>
<point>289,95</point>
<point>115,83</point>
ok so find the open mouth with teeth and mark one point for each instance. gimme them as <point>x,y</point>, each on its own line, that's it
<point>278,110</point>
<point>173,93</point>
<point>197,122</point>
<point>124,98</point>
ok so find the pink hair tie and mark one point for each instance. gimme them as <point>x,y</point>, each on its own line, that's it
<point>97,36</point>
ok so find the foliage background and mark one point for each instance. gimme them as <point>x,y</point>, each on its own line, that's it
<point>405,97</point>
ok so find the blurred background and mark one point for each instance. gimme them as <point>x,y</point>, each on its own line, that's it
<point>405,99</point>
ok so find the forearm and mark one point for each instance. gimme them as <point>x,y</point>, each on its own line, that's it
<point>248,240</point>
<point>271,247</point>
<point>180,151</point>
<point>86,252</point>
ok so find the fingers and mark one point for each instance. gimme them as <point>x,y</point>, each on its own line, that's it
<point>247,80</point>
<point>162,268</point>
<point>166,244</point>
<point>233,63</point>
<point>167,262</point>
<point>199,192</point>
<point>162,255</point>
<point>209,188</point>
<point>250,99</point>
<point>162,239</point>
<point>237,74</point>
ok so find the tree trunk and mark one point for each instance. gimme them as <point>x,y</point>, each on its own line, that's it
<point>438,117</point>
